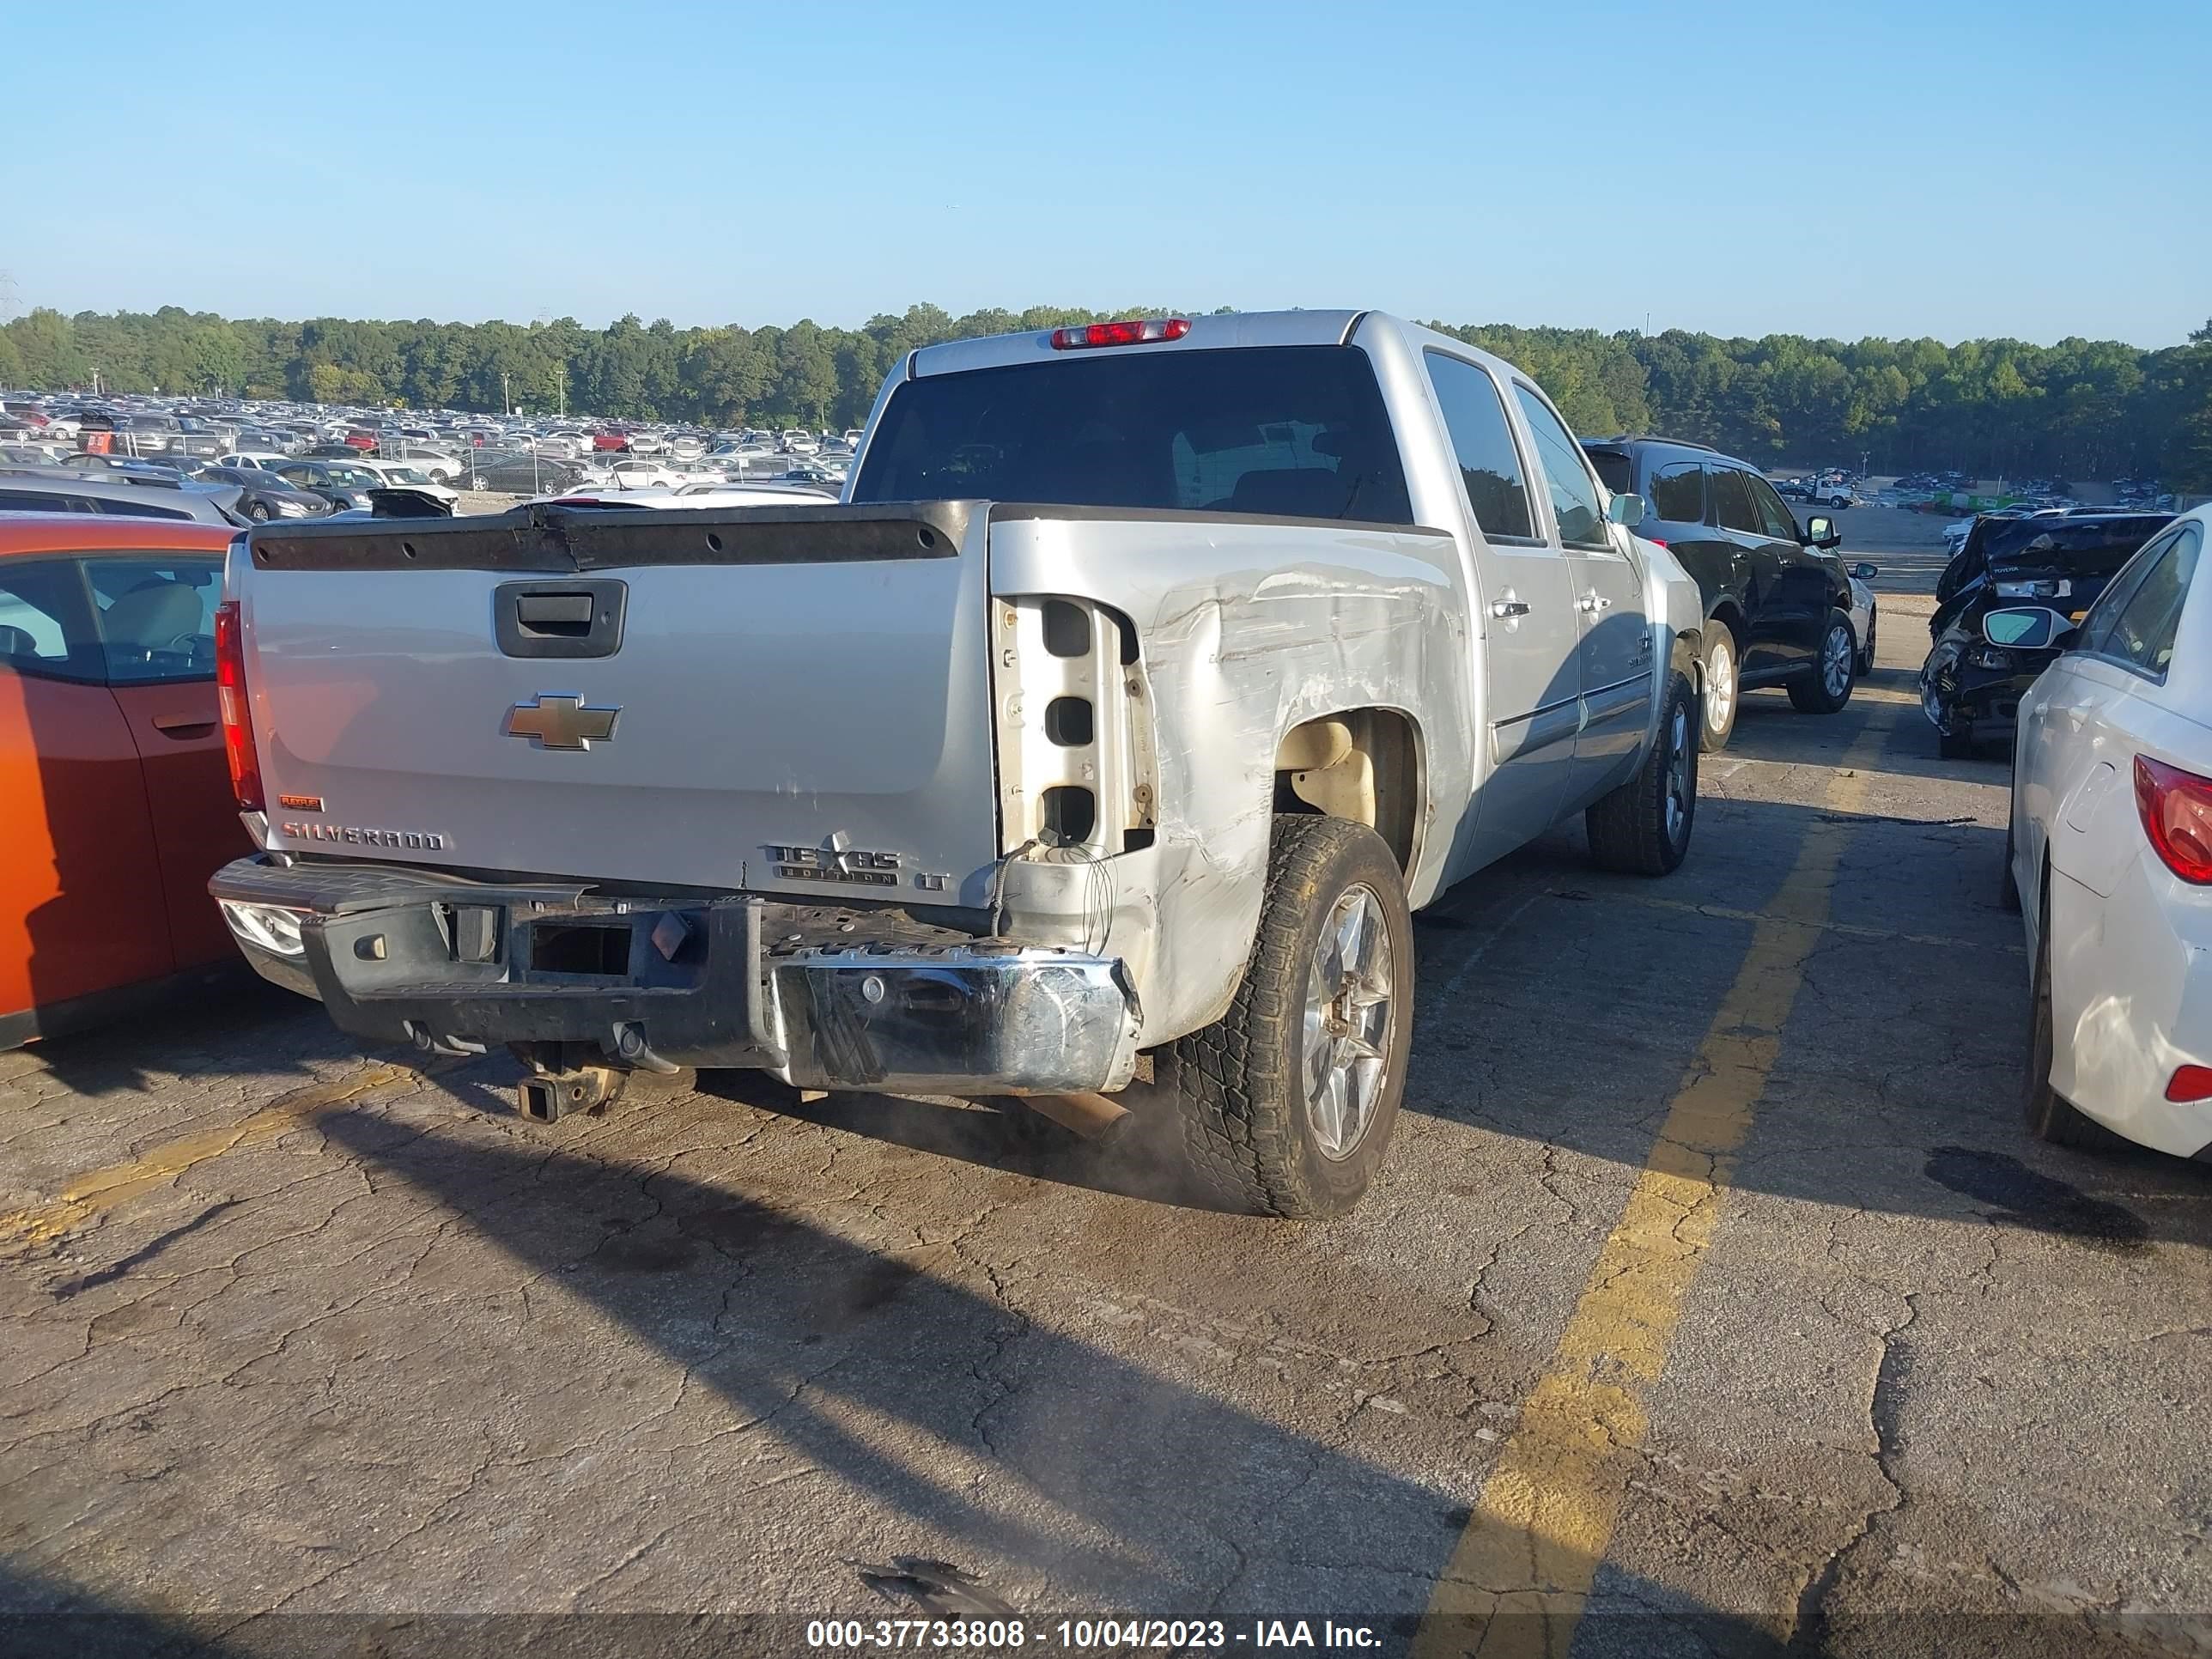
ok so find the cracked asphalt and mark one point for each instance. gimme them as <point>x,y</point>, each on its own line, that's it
<point>291,1331</point>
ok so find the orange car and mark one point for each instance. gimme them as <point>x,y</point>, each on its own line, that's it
<point>115,798</point>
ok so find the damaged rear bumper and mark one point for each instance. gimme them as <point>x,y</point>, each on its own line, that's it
<point>1988,701</point>
<point>1958,694</point>
<point>821,996</point>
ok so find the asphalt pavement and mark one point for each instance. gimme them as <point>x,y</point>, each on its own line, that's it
<point>1711,1300</point>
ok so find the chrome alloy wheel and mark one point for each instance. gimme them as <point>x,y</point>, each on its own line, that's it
<point>1679,781</point>
<point>1836,653</point>
<point>1348,1022</point>
<point>1720,681</point>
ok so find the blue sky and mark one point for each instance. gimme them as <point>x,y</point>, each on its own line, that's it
<point>1886,168</point>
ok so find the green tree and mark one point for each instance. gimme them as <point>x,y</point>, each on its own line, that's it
<point>46,342</point>
<point>2081,409</point>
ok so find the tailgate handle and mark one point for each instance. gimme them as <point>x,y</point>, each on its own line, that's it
<point>559,619</point>
<point>568,616</point>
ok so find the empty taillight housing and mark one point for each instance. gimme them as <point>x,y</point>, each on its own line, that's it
<point>2176,807</point>
<point>230,701</point>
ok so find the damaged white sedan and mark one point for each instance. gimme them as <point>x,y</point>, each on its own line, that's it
<point>1147,678</point>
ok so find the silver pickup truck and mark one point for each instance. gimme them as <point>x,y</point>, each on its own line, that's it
<point>1107,733</point>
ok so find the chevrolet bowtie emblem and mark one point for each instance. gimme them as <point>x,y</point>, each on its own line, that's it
<point>560,721</point>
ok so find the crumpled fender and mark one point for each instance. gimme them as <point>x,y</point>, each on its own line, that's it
<point>1671,595</point>
<point>1676,609</point>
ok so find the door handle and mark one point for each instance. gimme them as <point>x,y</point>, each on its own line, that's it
<point>1595,602</point>
<point>1503,608</point>
<point>181,726</point>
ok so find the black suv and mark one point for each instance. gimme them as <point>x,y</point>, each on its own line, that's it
<point>1780,593</point>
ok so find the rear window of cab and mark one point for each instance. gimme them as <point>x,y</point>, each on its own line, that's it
<point>1293,431</point>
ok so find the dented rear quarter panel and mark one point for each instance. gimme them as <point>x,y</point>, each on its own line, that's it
<point>1247,629</point>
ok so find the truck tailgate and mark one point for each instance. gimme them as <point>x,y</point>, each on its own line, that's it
<point>778,699</point>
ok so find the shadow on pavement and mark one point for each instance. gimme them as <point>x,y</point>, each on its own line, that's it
<point>1109,1486</point>
<point>234,1022</point>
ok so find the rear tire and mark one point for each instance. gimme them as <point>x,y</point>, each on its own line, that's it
<point>1262,1130</point>
<point>1642,828</point>
<point>2051,1116</point>
<point>1826,687</point>
<point>1724,677</point>
<point>1866,650</point>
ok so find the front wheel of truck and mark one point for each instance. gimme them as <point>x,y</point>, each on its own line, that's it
<point>1643,827</point>
<point>1286,1103</point>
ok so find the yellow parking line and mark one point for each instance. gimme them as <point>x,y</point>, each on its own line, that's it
<point>1848,929</point>
<point>93,1195</point>
<point>1521,1571</point>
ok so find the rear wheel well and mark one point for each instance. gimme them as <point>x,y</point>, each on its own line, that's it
<point>1726,612</point>
<point>1363,765</point>
<point>1689,661</point>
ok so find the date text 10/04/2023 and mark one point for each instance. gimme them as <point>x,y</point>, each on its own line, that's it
<point>1009,1635</point>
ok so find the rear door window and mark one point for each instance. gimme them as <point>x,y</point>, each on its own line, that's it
<point>1575,503</point>
<point>1732,498</point>
<point>1678,493</point>
<point>155,615</point>
<point>2143,630</point>
<point>1482,442</point>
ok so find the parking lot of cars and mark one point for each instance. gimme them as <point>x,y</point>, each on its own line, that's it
<point>517,455</point>
<point>294,1330</point>
<point>1717,1264</point>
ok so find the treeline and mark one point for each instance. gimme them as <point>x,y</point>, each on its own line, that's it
<point>2081,408</point>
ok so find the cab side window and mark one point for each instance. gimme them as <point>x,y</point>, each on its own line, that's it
<point>1574,495</point>
<point>1732,496</point>
<point>1489,459</point>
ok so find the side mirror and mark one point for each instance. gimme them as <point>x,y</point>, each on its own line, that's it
<point>2026,627</point>
<point>1865,572</point>
<point>1626,511</point>
<point>1821,532</point>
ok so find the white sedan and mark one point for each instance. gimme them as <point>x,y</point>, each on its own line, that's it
<point>1865,615</point>
<point>405,475</point>
<point>2110,854</point>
